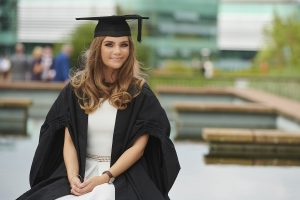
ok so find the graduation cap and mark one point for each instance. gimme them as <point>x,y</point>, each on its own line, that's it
<point>115,26</point>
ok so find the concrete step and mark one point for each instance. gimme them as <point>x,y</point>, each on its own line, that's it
<point>14,115</point>
<point>211,160</point>
<point>223,107</point>
<point>258,136</point>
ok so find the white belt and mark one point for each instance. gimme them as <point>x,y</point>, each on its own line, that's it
<point>99,158</point>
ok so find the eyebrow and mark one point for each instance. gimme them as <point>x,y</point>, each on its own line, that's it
<point>124,41</point>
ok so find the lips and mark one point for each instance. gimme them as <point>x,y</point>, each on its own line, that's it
<point>119,58</point>
<point>116,59</point>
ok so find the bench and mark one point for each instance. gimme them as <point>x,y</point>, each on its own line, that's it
<point>14,115</point>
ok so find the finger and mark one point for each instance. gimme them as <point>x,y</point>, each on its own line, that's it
<point>86,186</point>
<point>75,193</point>
<point>85,183</point>
<point>78,190</point>
<point>74,183</point>
<point>85,189</point>
<point>79,185</point>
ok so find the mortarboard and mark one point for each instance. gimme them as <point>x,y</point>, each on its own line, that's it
<point>115,26</point>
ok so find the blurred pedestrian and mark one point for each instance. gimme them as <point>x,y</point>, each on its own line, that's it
<point>201,68</point>
<point>5,66</point>
<point>62,63</point>
<point>206,66</point>
<point>48,73</point>
<point>20,69</point>
<point>208,69</point>
<point>36,64</point>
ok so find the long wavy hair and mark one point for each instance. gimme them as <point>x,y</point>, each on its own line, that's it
<point>90,86</point>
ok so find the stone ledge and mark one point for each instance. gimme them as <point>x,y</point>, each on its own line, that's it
<point>258,136</point>
<point>223,107</point>
<point>282,105</point>
<point>14,115</point>
<point>192,90</point>
<point>31,85</point>
<point>15,102</point>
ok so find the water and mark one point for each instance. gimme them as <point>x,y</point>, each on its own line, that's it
<point>16,154</point>
<point>196,181</point>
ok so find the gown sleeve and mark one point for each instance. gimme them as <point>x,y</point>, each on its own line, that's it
<point>160,159</point>
<point>48,156</point>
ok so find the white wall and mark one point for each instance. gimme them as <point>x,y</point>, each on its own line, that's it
<point>50,21</point>
<point>241,23</point>
<point>238,31</point>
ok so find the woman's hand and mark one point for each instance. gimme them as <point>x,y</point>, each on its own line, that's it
<point>75,185</point>
<point>88,185</point>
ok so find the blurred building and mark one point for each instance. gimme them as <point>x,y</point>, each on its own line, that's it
<point>232,30</point>
<point>8,24</point>
<point>38,22</point>
<point>177,29</point>
<point>51,21</point>
<point>241,25</point>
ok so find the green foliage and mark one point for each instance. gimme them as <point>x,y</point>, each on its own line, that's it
<point>143,54</point>
<point>175,67</point>
<point>81,40</point>
<point>142,51</point>
<point>282,49</point>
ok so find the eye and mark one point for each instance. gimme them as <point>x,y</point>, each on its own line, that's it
<point>108,44</point>
<point>124,45</point>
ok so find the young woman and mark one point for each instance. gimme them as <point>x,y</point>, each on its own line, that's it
<point>106,137</point>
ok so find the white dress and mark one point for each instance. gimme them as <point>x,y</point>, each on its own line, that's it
<point>101,125</point>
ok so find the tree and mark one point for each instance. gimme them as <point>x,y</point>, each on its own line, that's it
<point>142,50</point>
<point>81,40</point>
<point>282,45</point>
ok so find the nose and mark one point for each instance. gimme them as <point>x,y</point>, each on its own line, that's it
<point>116,50</point>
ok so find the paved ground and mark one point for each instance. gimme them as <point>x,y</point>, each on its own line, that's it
<point>196,181</point>
<point>283,105</point>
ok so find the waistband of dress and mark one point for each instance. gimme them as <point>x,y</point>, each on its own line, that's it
<point>98,158</point>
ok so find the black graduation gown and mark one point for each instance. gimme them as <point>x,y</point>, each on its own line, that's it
<point>149,178</point>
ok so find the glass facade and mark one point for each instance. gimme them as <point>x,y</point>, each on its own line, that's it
<point>177,29</point>
<point>241,26</point>
<point>8,25</point>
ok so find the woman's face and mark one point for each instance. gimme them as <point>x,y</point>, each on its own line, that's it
<point>114,52</point>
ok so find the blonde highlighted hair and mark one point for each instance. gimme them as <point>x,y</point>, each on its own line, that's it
<point>89,83</point>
